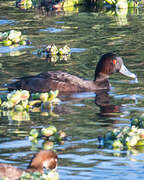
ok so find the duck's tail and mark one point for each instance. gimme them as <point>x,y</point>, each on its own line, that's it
<point>4,87</point>
<point>8,87</point>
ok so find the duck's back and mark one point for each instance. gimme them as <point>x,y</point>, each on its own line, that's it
<point>46,81</point>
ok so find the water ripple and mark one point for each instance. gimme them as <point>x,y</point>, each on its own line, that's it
<point>4,21</point>
<point>52,30</point>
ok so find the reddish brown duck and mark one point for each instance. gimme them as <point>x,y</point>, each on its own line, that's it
<point>109,63</point>
<point>43,159</point>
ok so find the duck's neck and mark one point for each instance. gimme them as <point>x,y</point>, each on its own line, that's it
<point>35,166</point>
<point>35,169</point>
<point>101,81</point>
<point>101,77</point>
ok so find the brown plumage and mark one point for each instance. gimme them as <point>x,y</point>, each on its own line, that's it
<point>65,82</point>
<point>43,159</point>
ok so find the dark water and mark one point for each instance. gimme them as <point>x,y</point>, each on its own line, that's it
<point>82,116</point>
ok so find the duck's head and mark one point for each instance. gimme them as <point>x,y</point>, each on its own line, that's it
<point>44,159</point>
<point>109,64</point>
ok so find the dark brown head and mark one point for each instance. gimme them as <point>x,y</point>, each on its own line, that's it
<point>43,159</point>
<point>111,63</point>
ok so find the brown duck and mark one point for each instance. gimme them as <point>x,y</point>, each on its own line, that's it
<point>43,159</point>
<point>108,64</point>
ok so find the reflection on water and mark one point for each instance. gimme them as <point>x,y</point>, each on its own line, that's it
<point>51,30</point>
<point>83,116</point>
<point>103,101</point>
<point>121,16</point>
<point>13,50</point>
<point>4,21</point>
<point>77,50</point>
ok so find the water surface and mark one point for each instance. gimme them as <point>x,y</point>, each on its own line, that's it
<point>89,34</point>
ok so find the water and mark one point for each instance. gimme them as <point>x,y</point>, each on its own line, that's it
<point>83,116</point>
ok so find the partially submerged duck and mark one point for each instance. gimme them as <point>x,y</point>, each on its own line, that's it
<point>43,159</point>
<point>108,64</point>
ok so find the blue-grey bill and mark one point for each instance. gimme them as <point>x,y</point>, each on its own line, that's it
<point>126,72</point>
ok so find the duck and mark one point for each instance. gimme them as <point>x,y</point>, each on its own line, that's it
<point>43,159</point>
<point>65,82</point>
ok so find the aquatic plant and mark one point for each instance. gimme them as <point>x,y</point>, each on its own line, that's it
<point>62,4</point>
<point>127,136</point>
<point>52,175</point>
<point>24,4</point>
<point>17,104</point>
<point>122,4</point>
<point>50,136</point>
<point>53,54</point>
<point>21,99</point>
<point>54,50</point>
<point>13,37</point>
<point>49,133</point>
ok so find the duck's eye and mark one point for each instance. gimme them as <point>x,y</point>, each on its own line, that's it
<point>114,61</point>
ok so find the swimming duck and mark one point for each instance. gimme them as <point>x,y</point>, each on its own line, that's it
<point>109,63</point>
<point>43,159</point>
